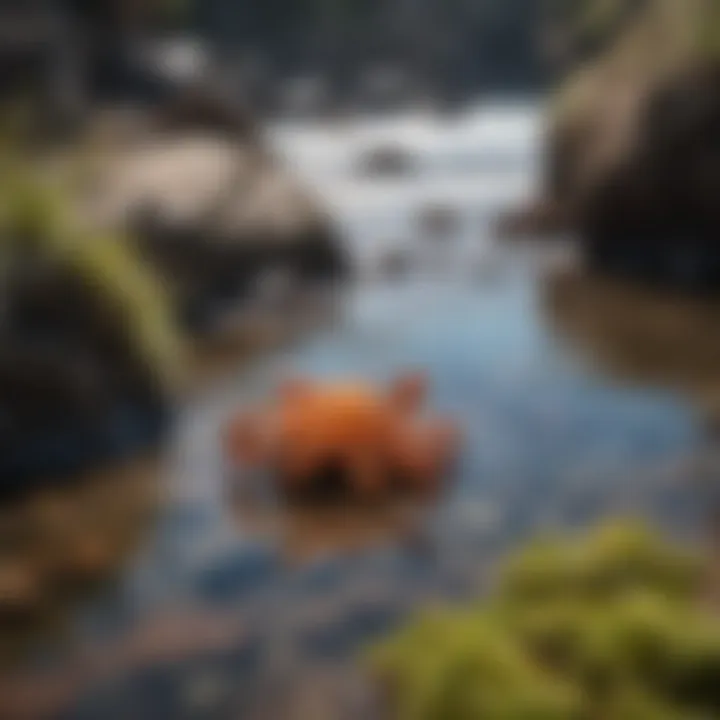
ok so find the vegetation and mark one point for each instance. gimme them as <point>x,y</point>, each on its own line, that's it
<point>37,222</point>
<point>708,30</point>
<point>605,626</point>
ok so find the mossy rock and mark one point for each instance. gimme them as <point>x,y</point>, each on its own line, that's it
<point>632,146</point>
<point>586,114</point>
<point>90,356</point>
<point>41,232</point>
<point>212,215</point>
<point>601,626</point>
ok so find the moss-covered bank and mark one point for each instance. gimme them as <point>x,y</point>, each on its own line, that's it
<point>113,256</point>
<point>605,626</point>
<point>90,356</point>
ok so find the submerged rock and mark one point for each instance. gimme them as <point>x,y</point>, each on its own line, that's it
<point>395,263</point>
<point>539,219</point>
<point>437,221</point>
<point>386,161</point>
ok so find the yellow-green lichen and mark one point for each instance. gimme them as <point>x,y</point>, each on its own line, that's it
<point>601,626</point>
<point>37,217</point>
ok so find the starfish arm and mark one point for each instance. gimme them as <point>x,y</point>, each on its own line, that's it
<point>292,389</point>
<point>408,392</point>
<point>423,454</point>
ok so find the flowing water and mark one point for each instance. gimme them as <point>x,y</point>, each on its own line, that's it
<point>229,608</point>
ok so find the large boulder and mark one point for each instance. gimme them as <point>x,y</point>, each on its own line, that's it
<point>656,214</point>
<point>89,356</point>
<point>632,156</point>
<point>387,161</point>
<point>74,395</point>
<point>213,213</point>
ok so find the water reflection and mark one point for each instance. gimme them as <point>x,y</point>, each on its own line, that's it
<point>306,534</point>
<point>650,338</point>
<point>640,336</point>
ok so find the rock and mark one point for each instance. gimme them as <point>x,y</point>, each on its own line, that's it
<point>197,107</point>
<point>75,390</point>
<point>276,288</point>
<point>83,560</point>
<point>21,592</point>
<point>537,219</point>
<point>386,161</point>
<point>438,221</point>
<point>52,386</point>
<point>213,214</point>
<point>82,342</point>
<point>655,215</point>
<point>632,156</point>
<point>395,262</point>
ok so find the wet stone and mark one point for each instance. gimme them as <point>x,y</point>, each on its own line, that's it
<point>237,576</point>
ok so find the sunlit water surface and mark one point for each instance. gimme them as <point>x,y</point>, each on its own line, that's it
<point>229,611</point>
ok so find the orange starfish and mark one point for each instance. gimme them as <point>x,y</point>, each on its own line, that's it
<point>377,441</point>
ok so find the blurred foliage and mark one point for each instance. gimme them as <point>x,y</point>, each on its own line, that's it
<point>709,28</point>
<point>690,25</point>
<point>603,626</point>
<point>593,22</point>
<point>39,221</point>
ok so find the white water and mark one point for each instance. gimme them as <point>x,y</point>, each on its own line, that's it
<point>474,163</point>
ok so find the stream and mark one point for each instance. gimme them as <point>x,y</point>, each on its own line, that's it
<point>232,607</point>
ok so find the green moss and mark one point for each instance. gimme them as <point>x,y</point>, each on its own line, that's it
<point>36,218</point>
<point>472,671</point>
<point>708,28</point>
<point>621,556</point>
<point>602,626</point>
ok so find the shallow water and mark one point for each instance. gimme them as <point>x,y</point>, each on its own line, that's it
<point>229,607</point>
